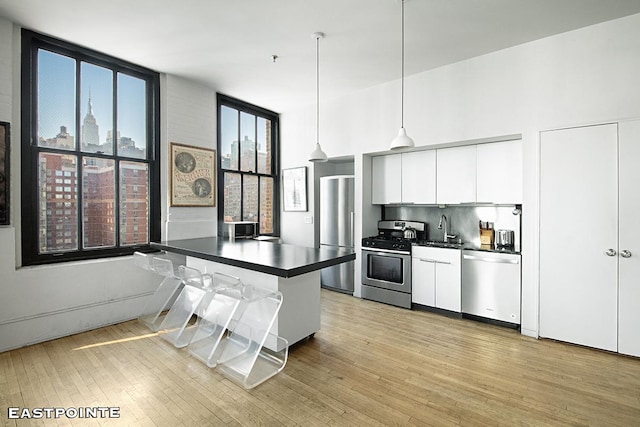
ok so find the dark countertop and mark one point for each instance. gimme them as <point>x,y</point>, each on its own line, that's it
<point>278,259</point>
<point>466,246</point>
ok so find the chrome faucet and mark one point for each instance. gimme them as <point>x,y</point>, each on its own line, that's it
<point>443,219</point>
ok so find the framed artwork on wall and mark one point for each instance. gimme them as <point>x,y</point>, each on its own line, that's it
<point>192,176</point>
<point>4,173</point>
<point>294,189</point>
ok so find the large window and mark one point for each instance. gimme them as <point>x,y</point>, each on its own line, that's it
<point>248,161</point>
<point>90,137</point>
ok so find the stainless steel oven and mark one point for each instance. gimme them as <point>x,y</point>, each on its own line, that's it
<point>386,263</point>
<point>386,276</point>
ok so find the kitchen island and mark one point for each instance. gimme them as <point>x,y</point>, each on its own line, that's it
<point>292,270</point>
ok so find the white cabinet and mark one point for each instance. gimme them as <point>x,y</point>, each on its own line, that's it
<point>588,217</point>
<point>404,178</point>
<point>423,280</point>
<point>483,173</point>
<point>499,172</point>
<point>436,277</point>
<point>386,179</point>
<point>456,175</point>
<point>419,177</point>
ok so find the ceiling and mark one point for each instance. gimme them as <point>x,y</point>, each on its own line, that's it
<point>228,44</point>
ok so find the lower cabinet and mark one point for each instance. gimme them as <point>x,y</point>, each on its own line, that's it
<point>436,277</point>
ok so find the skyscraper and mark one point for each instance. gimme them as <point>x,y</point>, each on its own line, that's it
<point>90,130</point>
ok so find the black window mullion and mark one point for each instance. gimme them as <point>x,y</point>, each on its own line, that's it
<point>79,160</point>
<point>255,142</point>
<point>116,155</point>
<point>116,206</point>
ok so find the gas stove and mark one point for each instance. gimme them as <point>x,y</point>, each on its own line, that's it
<point>384,242</point>
<point>391,235</point>
<point>386,262</point>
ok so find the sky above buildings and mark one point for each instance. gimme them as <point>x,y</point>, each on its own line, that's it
<point>57,95</point>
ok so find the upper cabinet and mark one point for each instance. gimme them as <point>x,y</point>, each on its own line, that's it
<point>480,173</point>
<point>404,178</point>
<point>499,172</point>
<point>386,179</point>
<point>419,177</point>
<point>456,180</point>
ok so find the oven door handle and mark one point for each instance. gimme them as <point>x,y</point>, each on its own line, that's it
<point>386,252</point>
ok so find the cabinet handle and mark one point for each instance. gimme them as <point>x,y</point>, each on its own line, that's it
<point>610,252</point>
<point>433,261</point>
<point>625,254</point>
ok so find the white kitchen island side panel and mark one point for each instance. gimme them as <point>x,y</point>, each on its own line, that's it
<point>299,316</point>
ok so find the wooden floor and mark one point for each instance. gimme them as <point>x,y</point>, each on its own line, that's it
<point>371,364</point>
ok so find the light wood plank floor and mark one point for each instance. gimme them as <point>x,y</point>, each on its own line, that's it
<point>371,364</point>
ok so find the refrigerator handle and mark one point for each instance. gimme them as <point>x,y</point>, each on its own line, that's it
<point>352,217</point>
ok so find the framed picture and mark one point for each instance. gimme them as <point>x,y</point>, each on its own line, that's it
<point>193,176</point>
<point>294,189</point>
<point>4,173</point>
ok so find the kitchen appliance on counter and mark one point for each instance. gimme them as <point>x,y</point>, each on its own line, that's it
<point>337,228</point>
<point>386,261</point>
<point>491,285</point>
<point>240,230</point>
<point>505,239</point>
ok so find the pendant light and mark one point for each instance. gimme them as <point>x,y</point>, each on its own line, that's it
<point>402,140</point>
<point>317,155</point>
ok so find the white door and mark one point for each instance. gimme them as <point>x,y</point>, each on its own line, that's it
<point>423,281</point>
<point>386,179</point>
<point>456,175</point>
<point>578,226</point>
<point>449,280</point>
<point>419,177</point>
<point>629,305</point>
<point>499,172</point>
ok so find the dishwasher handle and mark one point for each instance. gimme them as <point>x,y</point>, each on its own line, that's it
<point>494,260</point>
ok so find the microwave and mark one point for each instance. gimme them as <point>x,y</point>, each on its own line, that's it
<point>241,230</point>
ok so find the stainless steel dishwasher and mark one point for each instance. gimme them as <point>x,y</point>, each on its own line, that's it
<point>491,285</point>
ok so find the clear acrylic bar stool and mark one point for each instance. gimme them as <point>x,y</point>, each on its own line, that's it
<point>152,313</point>
<point>214,318</point>
<point>179,324</point>
<point>250,354</point>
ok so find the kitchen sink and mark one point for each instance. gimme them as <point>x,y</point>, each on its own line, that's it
<point>436,244</point>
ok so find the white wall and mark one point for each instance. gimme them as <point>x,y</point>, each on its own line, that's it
<point>189,117</point>
<point>45,302</point>
<point>585,76</point>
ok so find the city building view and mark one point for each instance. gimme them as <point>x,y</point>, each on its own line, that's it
<point>249,198</point>
<point>59,210</point>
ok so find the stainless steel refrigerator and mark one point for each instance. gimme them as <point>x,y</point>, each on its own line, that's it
<point>337,228</point>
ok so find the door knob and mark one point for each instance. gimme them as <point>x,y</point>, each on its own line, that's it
<point>611,252</point>
<point>625,254</point>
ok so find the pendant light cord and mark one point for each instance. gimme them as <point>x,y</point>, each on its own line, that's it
<point>402,77</point>
<point>318,89</point>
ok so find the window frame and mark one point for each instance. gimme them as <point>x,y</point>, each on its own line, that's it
<point>245,107</point>
<point>31,43</point>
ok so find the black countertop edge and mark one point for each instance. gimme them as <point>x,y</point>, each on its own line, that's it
<point>262,268</point>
